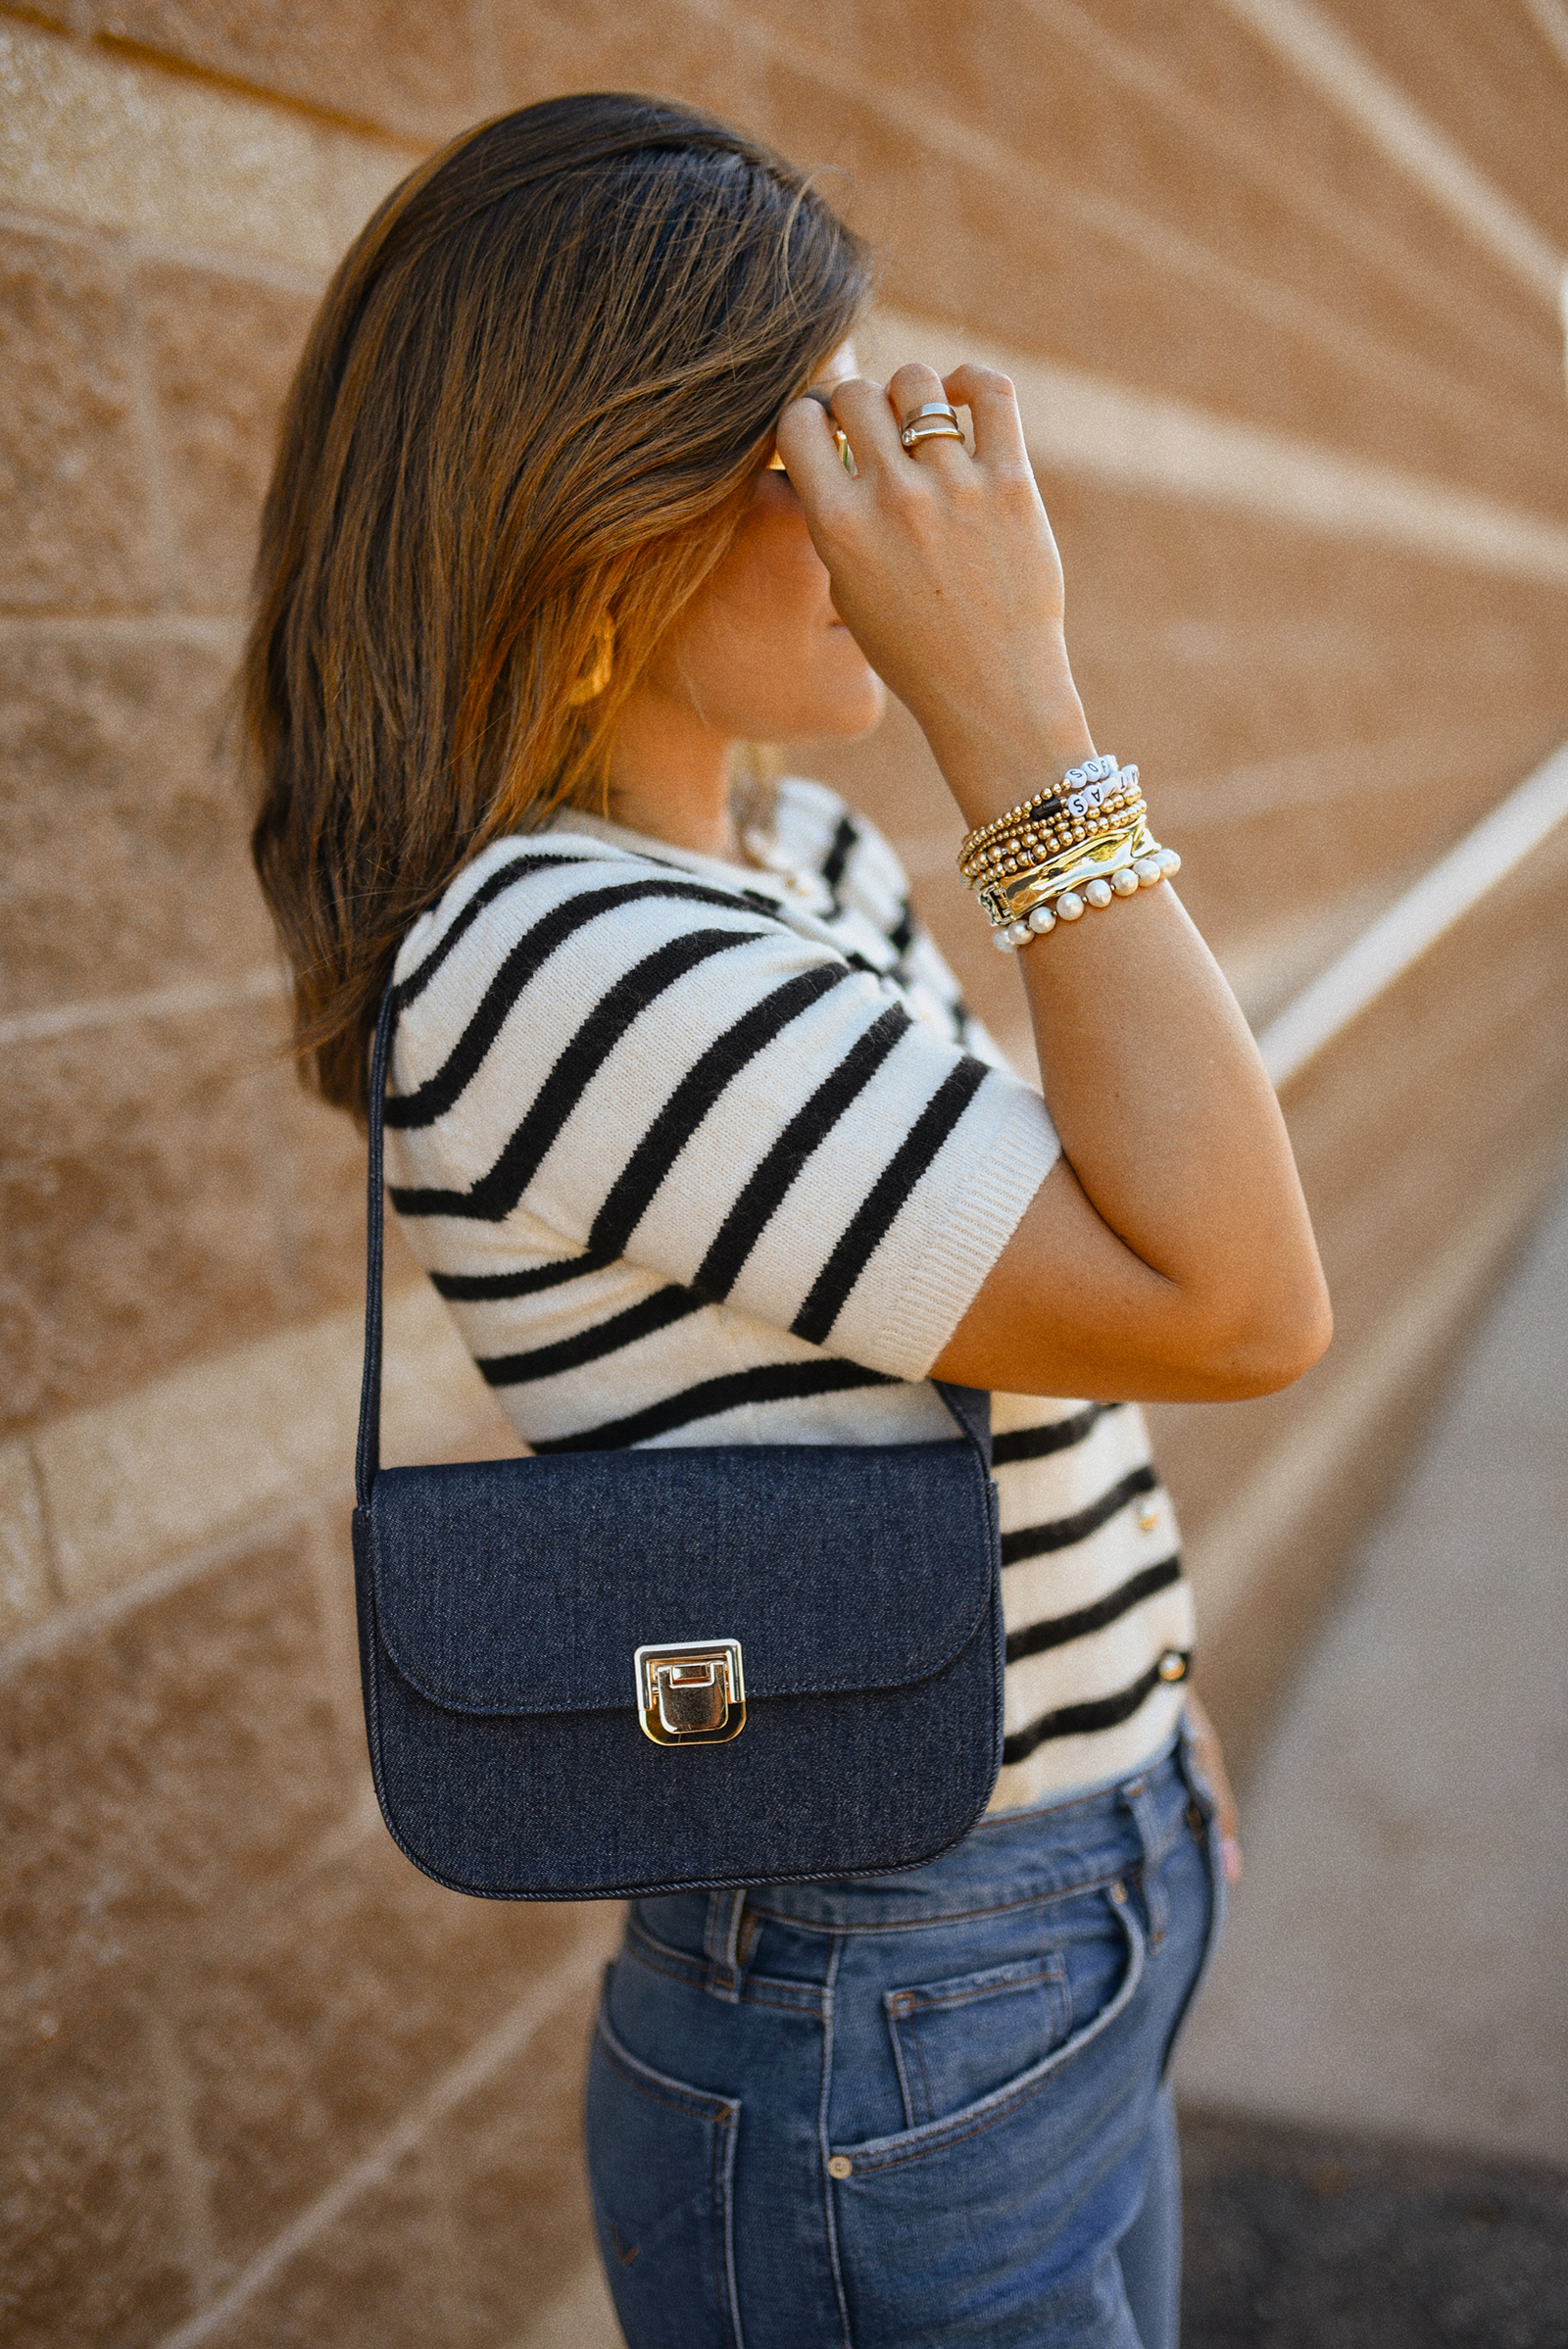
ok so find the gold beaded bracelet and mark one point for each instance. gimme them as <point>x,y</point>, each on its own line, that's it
<point>1077,843</point>
<point>1017,849</point>
<point>1084,801</point>
<point>1077,778</point>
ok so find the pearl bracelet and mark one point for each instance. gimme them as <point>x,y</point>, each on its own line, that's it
<point>1145,872</point>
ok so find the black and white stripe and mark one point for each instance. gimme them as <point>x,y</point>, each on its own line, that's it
<point>700,1156</point>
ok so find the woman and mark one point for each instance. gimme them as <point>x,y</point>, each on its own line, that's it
<point>689,1125</point>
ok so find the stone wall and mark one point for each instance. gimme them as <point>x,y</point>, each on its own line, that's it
<point>1278,280</point>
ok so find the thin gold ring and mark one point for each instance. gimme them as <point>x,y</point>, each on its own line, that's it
<point>914,427</point>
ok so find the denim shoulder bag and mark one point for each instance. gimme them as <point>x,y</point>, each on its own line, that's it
<point>602,1674</point>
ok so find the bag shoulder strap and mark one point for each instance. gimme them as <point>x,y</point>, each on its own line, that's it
<point>971,1406</point>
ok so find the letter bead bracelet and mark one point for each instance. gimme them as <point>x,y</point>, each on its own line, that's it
<point>1077,843</point>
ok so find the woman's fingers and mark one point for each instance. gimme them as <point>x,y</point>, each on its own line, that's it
<point>871,417</point>
<point>805,438</point>
<point>1212,1761</point>
<point>861,407</point>
<point>913,387</point>
<point>944,567</point>
<point>992,406</point>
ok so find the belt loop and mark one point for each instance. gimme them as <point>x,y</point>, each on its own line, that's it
<point>1139,1802</point>
<point>721,1944</point>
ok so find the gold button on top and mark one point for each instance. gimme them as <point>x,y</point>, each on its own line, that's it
<point>1173,1665</point>
<point>839,2165</point>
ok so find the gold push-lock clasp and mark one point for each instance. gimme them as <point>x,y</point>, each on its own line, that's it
<point>691,1692</point>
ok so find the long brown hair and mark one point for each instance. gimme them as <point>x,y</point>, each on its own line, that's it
<point>524,432</point>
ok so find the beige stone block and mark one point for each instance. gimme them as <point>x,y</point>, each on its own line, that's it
<point>580,2313</point>
<point>1416,1174</point>
<point>165,1773</point>
<point>27,1586</point>
<point>1491,83</point>
<point>1270,1562</point>
<point>93,136</point>
<point>168,1191</point>
<point>71,466</point>
<point>484,2221</point>
<point>123,864</point>
<point>1405,1078</point>
<point>408,70</point>
<point>698,55</point>
<point>1249,89</point>
<point>228,2003</point>
<point>196,1455</point>
<point>91,2225</point>
<point>221,352</point>
<point>326,2028</point>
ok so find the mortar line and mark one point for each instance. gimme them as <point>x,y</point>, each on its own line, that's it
<point>1493,848</point>
<point>144,58</point>
<point>185,1000</point>
<point>488,2056</point>
<point>46,1523</point>
<point>216,632</point>
<point>1135,230</point>
<point>1250,158</point>
<point>219,260</point>
<point>80,1618</point>
<point>189,2169</point>
<point>1550,20</point>
<point>1325,56</point>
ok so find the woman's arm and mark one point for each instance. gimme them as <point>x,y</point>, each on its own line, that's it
<point>1170,1255</point>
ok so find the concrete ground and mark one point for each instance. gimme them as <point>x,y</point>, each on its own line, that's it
<point>1383,2046</point>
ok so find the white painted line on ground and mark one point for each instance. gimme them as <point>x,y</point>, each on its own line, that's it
<point>1327,56</point>
<point>483,2061</point>
<point>1485,856</point>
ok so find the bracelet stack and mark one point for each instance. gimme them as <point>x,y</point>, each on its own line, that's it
<point>1077,843</point>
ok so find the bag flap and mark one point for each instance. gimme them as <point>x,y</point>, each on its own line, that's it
<point>527,1585</point>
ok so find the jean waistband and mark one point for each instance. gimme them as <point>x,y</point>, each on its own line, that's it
<point>1010,1859</point>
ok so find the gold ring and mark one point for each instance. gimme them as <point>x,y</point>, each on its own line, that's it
<point>943,424</point>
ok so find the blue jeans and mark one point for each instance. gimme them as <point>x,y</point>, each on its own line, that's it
<point>914,2109</point>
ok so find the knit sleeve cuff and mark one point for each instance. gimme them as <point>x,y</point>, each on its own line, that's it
<point>953,1227</point>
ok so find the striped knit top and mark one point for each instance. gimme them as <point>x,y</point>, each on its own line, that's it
<point>698,1153</point>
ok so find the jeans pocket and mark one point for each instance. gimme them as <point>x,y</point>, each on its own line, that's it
<point>953,2041</point>
<point>1002,2215</point>
<point>661,2169</point>
<point>1105,1956</point>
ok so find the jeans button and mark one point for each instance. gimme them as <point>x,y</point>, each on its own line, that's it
<point>841,2166</point>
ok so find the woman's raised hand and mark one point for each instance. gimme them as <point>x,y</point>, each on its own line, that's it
<point>1170,1252</point>
<point>944,565</point>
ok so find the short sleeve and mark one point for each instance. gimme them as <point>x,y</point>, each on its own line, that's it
<point>659,1072</point>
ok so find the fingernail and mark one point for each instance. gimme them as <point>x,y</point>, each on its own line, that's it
<point>1230,1859</point>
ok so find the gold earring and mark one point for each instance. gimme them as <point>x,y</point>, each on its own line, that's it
<point>589,688</point>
